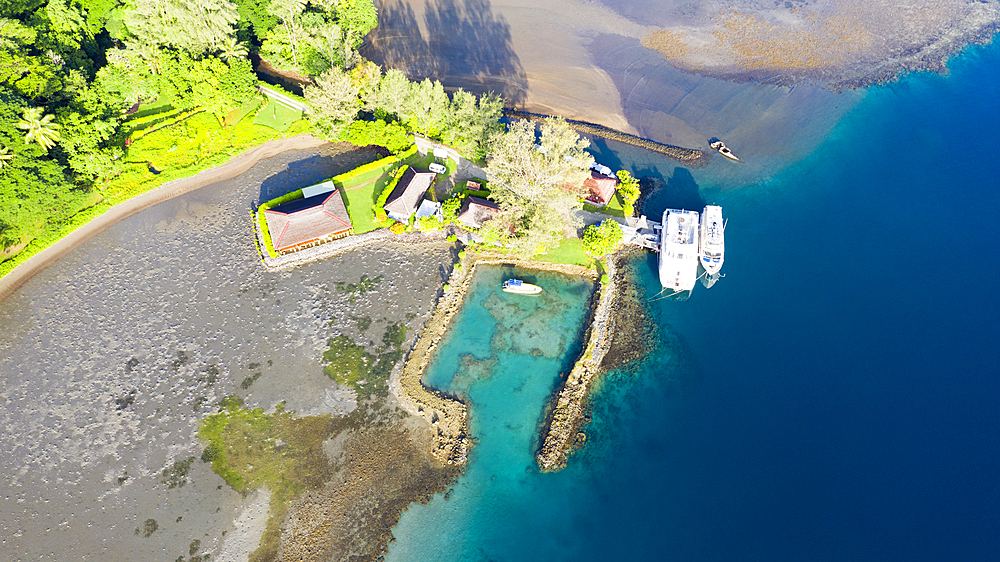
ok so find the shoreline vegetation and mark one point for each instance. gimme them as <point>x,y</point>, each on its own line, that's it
<point>237,165</point>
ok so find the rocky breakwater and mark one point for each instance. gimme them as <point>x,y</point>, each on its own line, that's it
<point>567,414</point>
<point>689,156</point>
<point>448,415</point>
<point>341,246</point>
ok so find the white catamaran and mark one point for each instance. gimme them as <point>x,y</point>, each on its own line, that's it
<point>713,239</point>
<point>679,250</point>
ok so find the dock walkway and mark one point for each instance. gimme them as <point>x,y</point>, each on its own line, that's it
<point>641,232</point>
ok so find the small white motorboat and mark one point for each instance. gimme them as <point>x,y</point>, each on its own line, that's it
<point>520,287</point>
<point>724,150</point>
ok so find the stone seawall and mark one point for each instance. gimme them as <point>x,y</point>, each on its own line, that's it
<point>690,156</point>
<point>448,415</point>
<point>561,433</point>
<point>342,246</point>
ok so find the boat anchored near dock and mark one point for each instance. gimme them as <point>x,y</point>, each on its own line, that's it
<point>713,241</point>
<point>679,250</point>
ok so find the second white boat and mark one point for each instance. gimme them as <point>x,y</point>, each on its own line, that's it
<point>679,250</point>
<point>713,239</point>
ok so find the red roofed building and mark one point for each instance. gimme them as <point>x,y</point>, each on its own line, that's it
<point>600,187</point>
<point>308,222</point>
<point>475,211</point>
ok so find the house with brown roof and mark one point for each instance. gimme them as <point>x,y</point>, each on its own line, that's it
<point>307,222</point>
<point>405,197</point>
<point>475,211</point>
<point>600,188</point>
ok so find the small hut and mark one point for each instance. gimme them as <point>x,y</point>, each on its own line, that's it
<point>406,196</point>
<point>475,211</point>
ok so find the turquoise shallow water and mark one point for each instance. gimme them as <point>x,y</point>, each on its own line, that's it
<point>504,354</point>
<point>834,397</point>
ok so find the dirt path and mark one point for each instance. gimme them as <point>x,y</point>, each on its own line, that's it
<point>234,167</point>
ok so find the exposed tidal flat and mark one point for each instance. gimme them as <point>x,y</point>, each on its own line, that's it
<point>113,356</point>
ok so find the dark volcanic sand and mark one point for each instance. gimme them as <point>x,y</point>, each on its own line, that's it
<point>106,359</point>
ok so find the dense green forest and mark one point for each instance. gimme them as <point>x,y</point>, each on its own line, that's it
<point>104,99</point>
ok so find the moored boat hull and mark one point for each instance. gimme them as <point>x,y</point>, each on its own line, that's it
<point>518,287</point>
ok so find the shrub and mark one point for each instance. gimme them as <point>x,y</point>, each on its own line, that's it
<point>603,239</point>
<point>604,279</point>
<point>628,190</point>
<point>450,207</point>
<point>392,136</point>
<point>397,228</point>
<point>388,189</point>
<point>461,255</point>
<point>452,238</point>
<point>430,224</point>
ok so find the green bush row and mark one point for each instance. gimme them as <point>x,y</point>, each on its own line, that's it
<point>138,123</point>
<point>382,164</point>
<point>175,119</point>
<point>262,222</point>
<point>380,213</point>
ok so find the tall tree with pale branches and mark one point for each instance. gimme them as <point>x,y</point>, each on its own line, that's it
<point>536,187</point>
<point>287,11</point>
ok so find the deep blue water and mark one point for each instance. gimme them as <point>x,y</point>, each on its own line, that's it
<point>835,397</point>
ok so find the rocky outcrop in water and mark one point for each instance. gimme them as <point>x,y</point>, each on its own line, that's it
<point>618,334</point>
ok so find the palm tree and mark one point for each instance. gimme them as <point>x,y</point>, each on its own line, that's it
<point>232,50</point>
<point>40,128</point>
<point>5,156</point>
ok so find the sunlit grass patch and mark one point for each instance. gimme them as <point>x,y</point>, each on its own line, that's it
<point>570,251</point>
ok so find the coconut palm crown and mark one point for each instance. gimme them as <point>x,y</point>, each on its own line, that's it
<point>39,127</point>
<point>5,156</point>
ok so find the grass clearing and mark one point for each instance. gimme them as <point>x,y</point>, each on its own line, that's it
<point>570,251</point>
<point>277,116</point>
<point>613,208</point>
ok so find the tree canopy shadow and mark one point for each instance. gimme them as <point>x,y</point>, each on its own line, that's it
<point>465,46</point>
<point>298,174</point>
<point>679,191</point>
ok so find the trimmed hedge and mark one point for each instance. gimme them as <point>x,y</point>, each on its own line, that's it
<point>166,123</point>
<point>265,234</point>
<point>382,164</point>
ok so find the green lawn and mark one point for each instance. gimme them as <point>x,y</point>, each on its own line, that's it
<point>360,196</point>
<point>570,251</point>
<point>277,116</point>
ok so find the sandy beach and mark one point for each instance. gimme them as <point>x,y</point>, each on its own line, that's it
<point>610,62</point>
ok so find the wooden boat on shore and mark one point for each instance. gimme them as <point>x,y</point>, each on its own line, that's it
<point>724,150</point>
<point>519,287</point>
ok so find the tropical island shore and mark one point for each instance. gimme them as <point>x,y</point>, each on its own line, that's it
<point>231,169</point>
